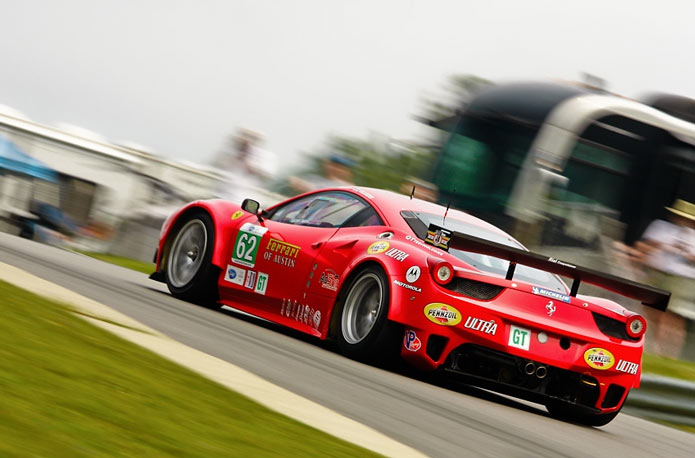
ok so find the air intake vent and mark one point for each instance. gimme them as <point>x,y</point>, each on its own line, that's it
<point>474,289</point>
<point>613,396</point>
<point>612,327</point>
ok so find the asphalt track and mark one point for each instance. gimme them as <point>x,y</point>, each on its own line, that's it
<point>435,420</point>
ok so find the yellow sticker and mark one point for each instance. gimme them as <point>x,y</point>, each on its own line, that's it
<point>238,215</point>
<point>378,247</point>
<point>599,358</point>
<point>443,314</point>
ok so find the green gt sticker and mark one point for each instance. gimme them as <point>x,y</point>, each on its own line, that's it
<point>246,244</point>
<point>262,283</point>
<point>519,338</point>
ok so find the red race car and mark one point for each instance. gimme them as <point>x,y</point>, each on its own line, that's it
<point>377,272</point>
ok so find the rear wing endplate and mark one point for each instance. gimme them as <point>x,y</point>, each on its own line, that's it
<point>648,295</point>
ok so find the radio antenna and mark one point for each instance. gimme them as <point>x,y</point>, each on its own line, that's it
<point>448,204</point>
<point>412,193</point>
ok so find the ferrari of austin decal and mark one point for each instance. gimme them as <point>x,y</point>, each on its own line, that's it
<point>280,252</point>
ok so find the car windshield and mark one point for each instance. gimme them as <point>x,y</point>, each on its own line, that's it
<point>488,263</point>
<point>327,209</point>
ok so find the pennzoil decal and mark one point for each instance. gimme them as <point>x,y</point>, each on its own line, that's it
<point>438,237</point>
<point>599,358</point>
<point>378,247</point>
<point>443,314</point>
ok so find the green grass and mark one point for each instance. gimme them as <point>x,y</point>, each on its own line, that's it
<point>140,266</point>
<point>69,389</point>
<point>660,365</point>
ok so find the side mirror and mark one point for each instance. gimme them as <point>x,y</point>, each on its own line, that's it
<point>251,206</point>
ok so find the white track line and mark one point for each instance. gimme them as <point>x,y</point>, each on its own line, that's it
<point>222,372</point>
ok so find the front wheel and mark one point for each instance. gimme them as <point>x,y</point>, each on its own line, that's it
<point>364,331</point>
<point>189,273</point>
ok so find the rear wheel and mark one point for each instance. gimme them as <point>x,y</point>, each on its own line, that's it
<point>189,273</point>
<point>364,331</point>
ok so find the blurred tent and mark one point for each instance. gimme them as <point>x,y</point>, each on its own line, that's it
<point>15,160</point>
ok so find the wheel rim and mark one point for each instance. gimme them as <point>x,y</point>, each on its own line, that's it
<point>187,253</point>
<point>362,308</point>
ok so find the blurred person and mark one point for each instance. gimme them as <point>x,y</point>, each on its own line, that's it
<point>336,171</point>
<point>667,251</point>
<point>244,165</point>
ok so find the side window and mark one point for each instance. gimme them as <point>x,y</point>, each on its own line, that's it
<point>327,209</point>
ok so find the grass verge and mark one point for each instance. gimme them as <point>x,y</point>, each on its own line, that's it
<point>140,266</point>
<point>669,367</point>
<point>69,389</point>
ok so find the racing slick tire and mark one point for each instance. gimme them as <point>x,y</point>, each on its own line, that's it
<point>189,273</point>
<point>567,413</point>
<point>364,331</point>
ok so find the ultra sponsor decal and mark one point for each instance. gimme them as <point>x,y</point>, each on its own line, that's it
<point>378,247</point>
<point>419,243</point>
<point>476,324</point>
<point>519,337</point>
<point>237,215</point>
<point>438,237</point>
<point>246,244</point>
<point>412,275</point>
<point>280,252</point>
<point>443,314</point>
<point>301,313</point>
<point>627,367</point>
<point>261,283</point>
<point>550,293</point>
<point>599,358</point>
<point>407,286</point>
<point>329,279</point>
<point>398,255</point>
<point>235,275</point>
<point>411,341</point>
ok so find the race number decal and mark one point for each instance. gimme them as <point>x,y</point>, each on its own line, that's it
<point>246,245</point>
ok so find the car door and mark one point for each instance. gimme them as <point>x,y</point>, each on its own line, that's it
<point>272,262</point>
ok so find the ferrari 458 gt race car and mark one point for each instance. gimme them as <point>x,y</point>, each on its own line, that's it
<point>378,271</point>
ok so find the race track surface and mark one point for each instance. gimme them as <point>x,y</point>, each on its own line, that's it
<point>437,421</point>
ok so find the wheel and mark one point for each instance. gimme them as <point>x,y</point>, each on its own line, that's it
<point>567,413</point>
<point>189,274</point>
<point>364,331</point>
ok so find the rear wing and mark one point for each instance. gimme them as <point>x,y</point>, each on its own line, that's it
<point>648,295</point>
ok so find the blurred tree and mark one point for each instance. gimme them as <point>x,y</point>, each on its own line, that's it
<point>458,90</point>
<point>385,163</point>
<point>379,163</point>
